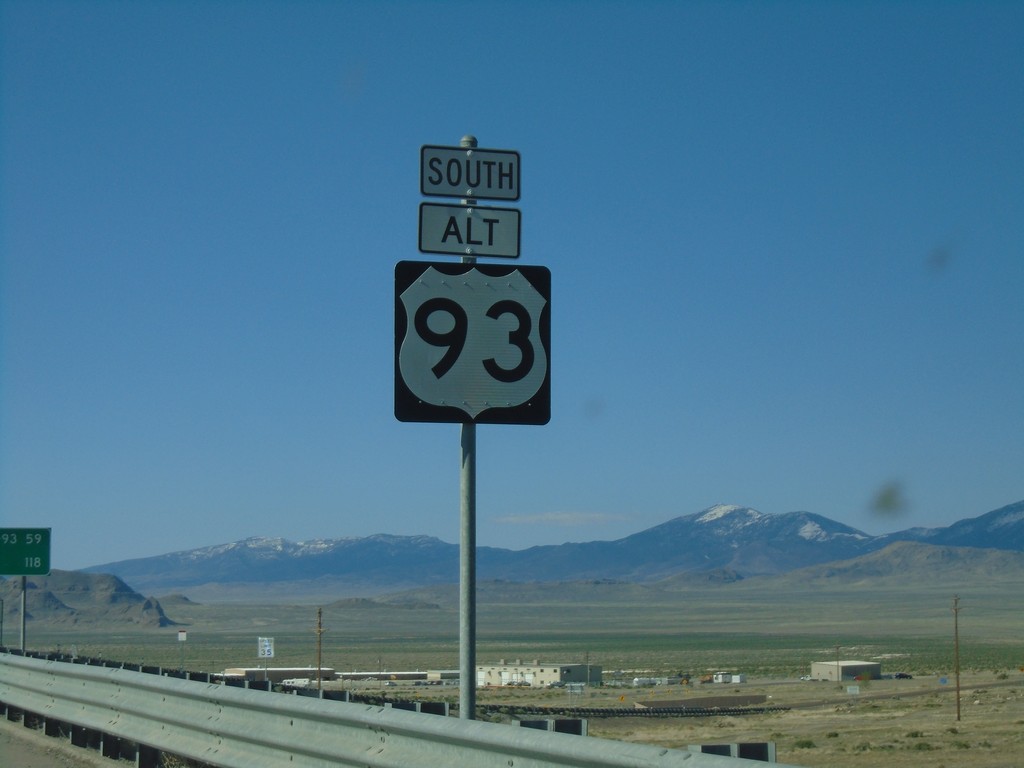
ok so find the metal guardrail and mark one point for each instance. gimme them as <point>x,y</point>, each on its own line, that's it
<point>239,728</point>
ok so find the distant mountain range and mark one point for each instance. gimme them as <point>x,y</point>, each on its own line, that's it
<point>720,543</point>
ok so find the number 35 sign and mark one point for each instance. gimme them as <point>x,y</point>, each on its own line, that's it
<point>472,343</point>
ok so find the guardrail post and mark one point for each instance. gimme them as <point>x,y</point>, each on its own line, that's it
<point>147,757</point>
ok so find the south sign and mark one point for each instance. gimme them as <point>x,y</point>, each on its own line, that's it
<point>468,172</point>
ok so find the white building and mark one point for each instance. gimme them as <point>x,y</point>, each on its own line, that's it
<point>278,674</point>
<point>536,674</point>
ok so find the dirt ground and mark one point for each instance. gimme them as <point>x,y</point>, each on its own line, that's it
<point>22,747</point>
<point>898,723</point>
<point>895,723</point>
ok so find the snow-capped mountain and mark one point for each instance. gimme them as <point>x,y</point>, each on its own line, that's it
<point>378,559</point>
<point>1000,529</point>
<point>726,539</point>
<point>738,539</point>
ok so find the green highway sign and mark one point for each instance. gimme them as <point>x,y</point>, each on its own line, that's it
<point>24,551</point>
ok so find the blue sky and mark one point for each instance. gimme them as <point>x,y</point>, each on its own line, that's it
<point>786,243</point>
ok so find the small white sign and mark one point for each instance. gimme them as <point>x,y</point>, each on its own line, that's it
<point>469,230</point>
<point>182,635</point>
<point>469,172</point>
<point>265,647</point>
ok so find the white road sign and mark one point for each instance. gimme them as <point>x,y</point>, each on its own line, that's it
<point>265,647</point>
<point>472,343</point>
<point>468,172</point>
<point>467,230</point>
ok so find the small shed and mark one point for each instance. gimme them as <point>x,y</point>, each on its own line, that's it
<point>838,671</point>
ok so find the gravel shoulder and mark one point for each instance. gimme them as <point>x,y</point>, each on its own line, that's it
<point>22,747</point>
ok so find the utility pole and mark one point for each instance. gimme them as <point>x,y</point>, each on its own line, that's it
<point>319,647</point>
<point>839,672</point>
<point>956,650</point>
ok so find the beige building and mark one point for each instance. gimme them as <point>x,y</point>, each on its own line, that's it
<point>278,674</point>
<point>838,671</point>
<point>536,674</point>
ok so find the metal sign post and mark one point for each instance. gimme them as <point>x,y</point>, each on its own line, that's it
<point>467,550</point>
<point>24,613</point>
<point>472,341</point>
<point>467,575</point>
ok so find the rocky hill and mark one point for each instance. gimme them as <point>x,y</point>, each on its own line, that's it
<point>80,599</point>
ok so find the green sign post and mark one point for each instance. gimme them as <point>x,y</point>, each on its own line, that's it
<point>24,551</point>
